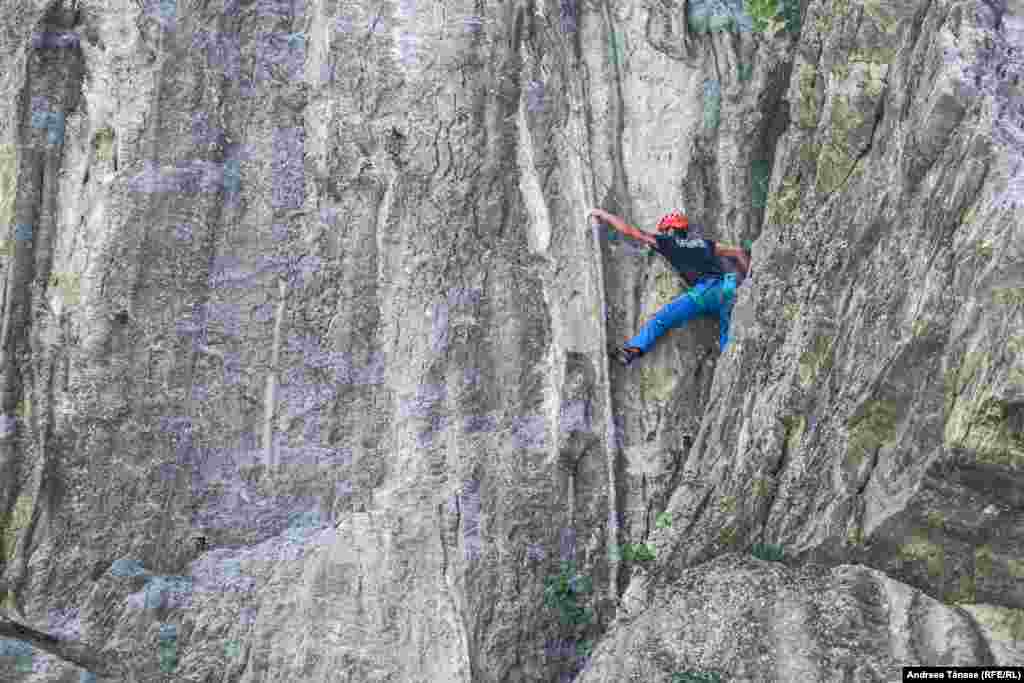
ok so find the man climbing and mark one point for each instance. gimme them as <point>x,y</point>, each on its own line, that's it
<point>712,287</point>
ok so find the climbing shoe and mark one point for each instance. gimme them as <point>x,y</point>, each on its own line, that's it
<point>626,355</point>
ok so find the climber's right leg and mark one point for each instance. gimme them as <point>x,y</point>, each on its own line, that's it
<point>680,311</point>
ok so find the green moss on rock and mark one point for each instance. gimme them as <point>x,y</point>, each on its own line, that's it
<point>1005,623</point>
<point>835,162</point>
<point>920,548</point>
<point>103,143</point>
<point>885,23</point>
<point>935,520</point>
<point>964,593</point>
<point>666,287</point>
<point>761,487</point>
<point>807,106</point>
<point>872,430</point>
<point>834,168</point>
<point>809,152</point>
<point>990,435</point>
<point>19,518</point>
<point>983,560</point>
<point>877,55</point>
<point>657,384</point>
<point>815,360</point>
<point>1015,345</point>
<point>1009,296</point>
<point>783,208</point>
<point>795,426</point>
<point>8,183</point>
<point>841,71</point>
<point>1016,568</point>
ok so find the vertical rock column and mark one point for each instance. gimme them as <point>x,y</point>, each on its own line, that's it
<point>52,87</point>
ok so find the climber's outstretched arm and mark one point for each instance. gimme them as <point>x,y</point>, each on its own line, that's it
<point>623,227</point>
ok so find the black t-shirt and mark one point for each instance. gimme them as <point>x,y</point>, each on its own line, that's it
<point>693,257</point>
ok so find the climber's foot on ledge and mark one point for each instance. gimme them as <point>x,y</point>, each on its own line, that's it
<point>625,355</point>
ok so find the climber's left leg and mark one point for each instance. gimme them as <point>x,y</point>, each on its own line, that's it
<point>727,299</point>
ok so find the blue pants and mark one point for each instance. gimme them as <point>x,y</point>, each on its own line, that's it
<point>707,297</point>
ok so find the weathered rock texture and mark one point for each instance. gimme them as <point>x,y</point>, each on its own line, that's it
<point>303,370</point>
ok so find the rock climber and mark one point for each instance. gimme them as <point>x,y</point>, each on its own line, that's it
<point>712,286</point>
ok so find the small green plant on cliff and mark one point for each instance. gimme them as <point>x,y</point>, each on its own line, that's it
<point>565,591</point>
<point>767,552</point>
<point>663,521</point>
<point>637,552</point>
<point>765,15</point>
<point>696,677</point>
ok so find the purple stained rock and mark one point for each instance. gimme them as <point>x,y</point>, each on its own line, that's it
<point>226,269</point>
<point>475,424</point>
<point>232,368</point>
<point>281,53</point>
<point>330,216</point>
<point>575,417</point>
<point>529,431</point>
<point>54,39</point>
<point>469,504</point>
<point>567,13</point>
<point>567,545</point>
<point>343,25</point>
<point>619,427</point>
<point>437,424</point>
<point>311,430</point>
<point>8,425</point>
<point>149,180</point>
<point>372,373</point>
<point>223,52</point>
<point>164,11</point>
<point>288,167</point>
<point>203,133</point>
<point>168,592</point>
<point>535,96</point>
<point>168,472</point>
<point>464,297</point>
<point>263,313</point>
<point>407,48</point>
<point>535,551</point>
<point>427,398</point>
<point>282,9</point>
<point>302,343</point>
<point>560,648</point>
<point>328,72</point>
<point>183,232</point>
<point>177,425</point>
<point>306,267</point>
<point>472,548</point>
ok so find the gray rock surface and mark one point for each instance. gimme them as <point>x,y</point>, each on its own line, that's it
<point>304,325</point>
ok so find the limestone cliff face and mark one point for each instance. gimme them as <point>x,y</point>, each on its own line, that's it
<point>303,358</point>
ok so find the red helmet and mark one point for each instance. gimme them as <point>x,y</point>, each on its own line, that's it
<point>675,220</point>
